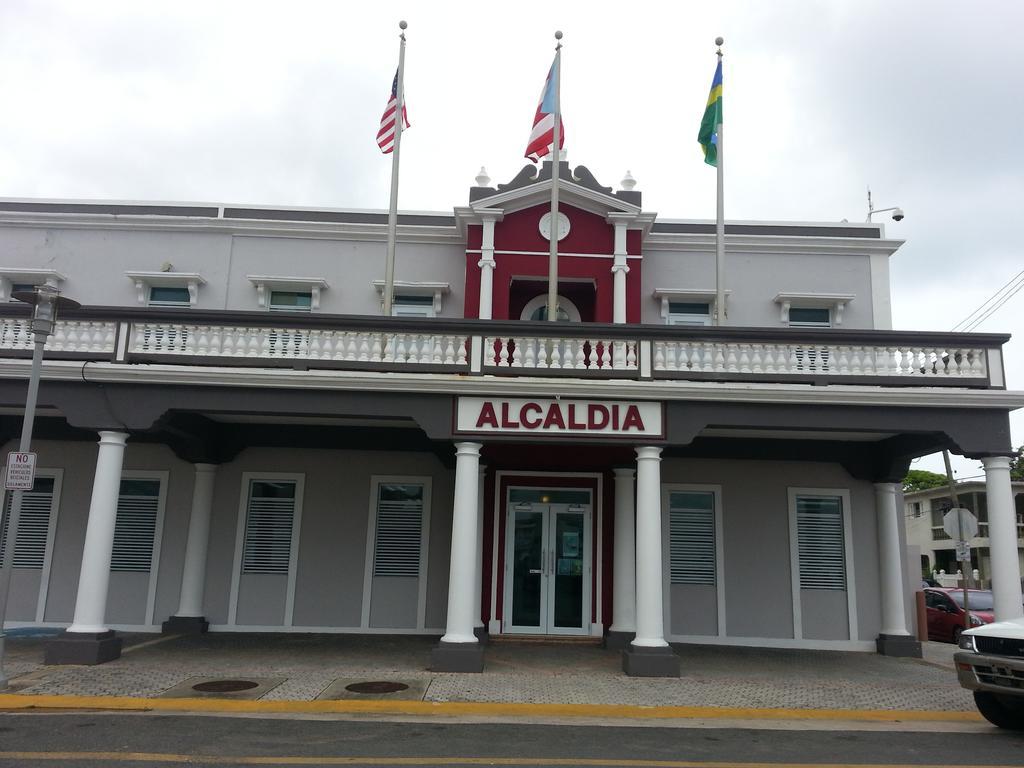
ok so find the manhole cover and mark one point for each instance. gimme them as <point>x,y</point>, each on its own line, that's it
<point>378,686</point>
<point>224,686</point>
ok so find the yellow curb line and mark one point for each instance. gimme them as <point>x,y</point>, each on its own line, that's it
<point>485,709</point>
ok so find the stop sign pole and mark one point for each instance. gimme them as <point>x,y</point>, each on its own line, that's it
<point>965,565</point>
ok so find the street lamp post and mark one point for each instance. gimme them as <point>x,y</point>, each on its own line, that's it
<point>46,301</point>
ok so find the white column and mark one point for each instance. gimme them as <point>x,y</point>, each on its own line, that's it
<point>193,577</point>
<point>487,265</point>
<point>624,563</point>
<point>1002,537</point>
<point>619,267</point>
<point>890,570</point>
<point>650,622</point>
<point>459,628</point>
<point>479,580</point>
<point>94,577</point>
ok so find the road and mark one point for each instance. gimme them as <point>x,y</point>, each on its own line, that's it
<point>83,740</point>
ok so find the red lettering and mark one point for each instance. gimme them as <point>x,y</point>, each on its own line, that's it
<point>527,409</point>
<point>487,416</point>
<point>573,424</point>
<point>554,417</point>
<point>506,422</point>
<point>615,417</point>
<point>632,419</point>
<point>593,411</point>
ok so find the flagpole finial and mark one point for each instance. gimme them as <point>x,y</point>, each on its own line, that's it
<point>403,25</point>
<point>558,35</point>
<point>718,42</point>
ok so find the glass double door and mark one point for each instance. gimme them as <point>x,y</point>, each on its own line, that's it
<point>548,565</point>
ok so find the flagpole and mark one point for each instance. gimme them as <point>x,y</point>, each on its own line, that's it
<point>720,313</point>
<point>389,268</point>
<point>555,172</point>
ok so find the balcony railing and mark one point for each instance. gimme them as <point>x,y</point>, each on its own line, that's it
<point>509,348</point>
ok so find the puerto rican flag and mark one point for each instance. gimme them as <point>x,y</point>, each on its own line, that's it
<point>543,134</point>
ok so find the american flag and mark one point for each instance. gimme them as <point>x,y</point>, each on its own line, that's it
<point>386,134</point>
<point>543,134</point>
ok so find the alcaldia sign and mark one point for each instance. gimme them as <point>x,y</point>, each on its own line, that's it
<point>556,416</point>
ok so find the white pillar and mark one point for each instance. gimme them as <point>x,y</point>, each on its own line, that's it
<point>619,266</point>
<point>650,622</point>
<point>193,577</point>
<point>1002,537</point>
<point>479,580</point>
<point>624,562</point>
<point>890,570</point>
<point>94,577</point>
<point>487,264</point>
<point>459,627</point>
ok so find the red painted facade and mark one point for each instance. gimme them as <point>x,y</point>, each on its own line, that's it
<point>589,236</point>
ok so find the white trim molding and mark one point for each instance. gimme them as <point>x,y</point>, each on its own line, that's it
<point>299,478</point>
<point>794,558</point>
<point>371,536</point>
<point>696,295</point>
<point>146,280</point>
<point>9,276</point>
<point>402,288</point>
<point>267,283</point>
<point>835,302</point>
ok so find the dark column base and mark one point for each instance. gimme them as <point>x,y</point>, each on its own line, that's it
<point>457,657</point>
<point>82,648</point>
<point>898,645</point>
<point>185,625</point>
<point>618,641</point>
<point>640,661</point>
<point>482,635</point>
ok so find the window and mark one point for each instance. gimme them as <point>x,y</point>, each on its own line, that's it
<point>288,294</point>
<point>269,521</point>
<point>413,306</point>
<point>820,542</point>
<point>167,296</point>
<point>291,301</point>
<point>33,526</point>
<point>537,309</point>
<point>167,288</point>
<point>138,506</point>
<point>810,317</point>
<point>689,313</point>
<point>812,310</point>
<point>692,544</point>
<point>915,509</point>
<point>12,280</point>
<point>397,543</point>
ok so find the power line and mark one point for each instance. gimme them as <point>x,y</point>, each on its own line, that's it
<point>991,304</point>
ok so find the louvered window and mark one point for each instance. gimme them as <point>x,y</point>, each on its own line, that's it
<point>692,537</point>
<point>268,526</point>
<point>33,526</point>
<point>396,548</point>
<point>819,521</point>
<point>135,529</point>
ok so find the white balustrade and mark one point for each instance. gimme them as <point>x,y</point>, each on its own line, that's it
<point>571,353</point>
<point>401,349</point>
<point>819,359</point>
<point>67,336</point>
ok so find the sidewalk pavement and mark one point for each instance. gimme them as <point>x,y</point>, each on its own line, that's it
<point>294,668</point>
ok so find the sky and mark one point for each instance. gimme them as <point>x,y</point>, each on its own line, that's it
<point>276,103</point>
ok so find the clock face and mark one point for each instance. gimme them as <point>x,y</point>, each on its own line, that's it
<point>545,226</point>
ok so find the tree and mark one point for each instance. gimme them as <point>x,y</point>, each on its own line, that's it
<point>921,479</point>
<point>1017,465</point>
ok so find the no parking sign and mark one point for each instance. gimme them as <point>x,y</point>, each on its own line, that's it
<point>21,471</point>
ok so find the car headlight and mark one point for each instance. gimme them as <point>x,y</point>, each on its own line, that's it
<point>976,621</point>
<point>967,643</point>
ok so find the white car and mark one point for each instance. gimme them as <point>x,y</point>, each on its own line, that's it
<point>991,664</point>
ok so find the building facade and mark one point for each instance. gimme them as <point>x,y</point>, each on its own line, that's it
<point>231,435</point>
<point>924,511</point>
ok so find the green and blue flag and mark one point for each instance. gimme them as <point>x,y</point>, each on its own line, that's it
<point>708,135</point>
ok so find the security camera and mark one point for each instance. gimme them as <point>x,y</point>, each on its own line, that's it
<point>897,215</point>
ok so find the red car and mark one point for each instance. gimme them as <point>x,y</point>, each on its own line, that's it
<point>945,609</point>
